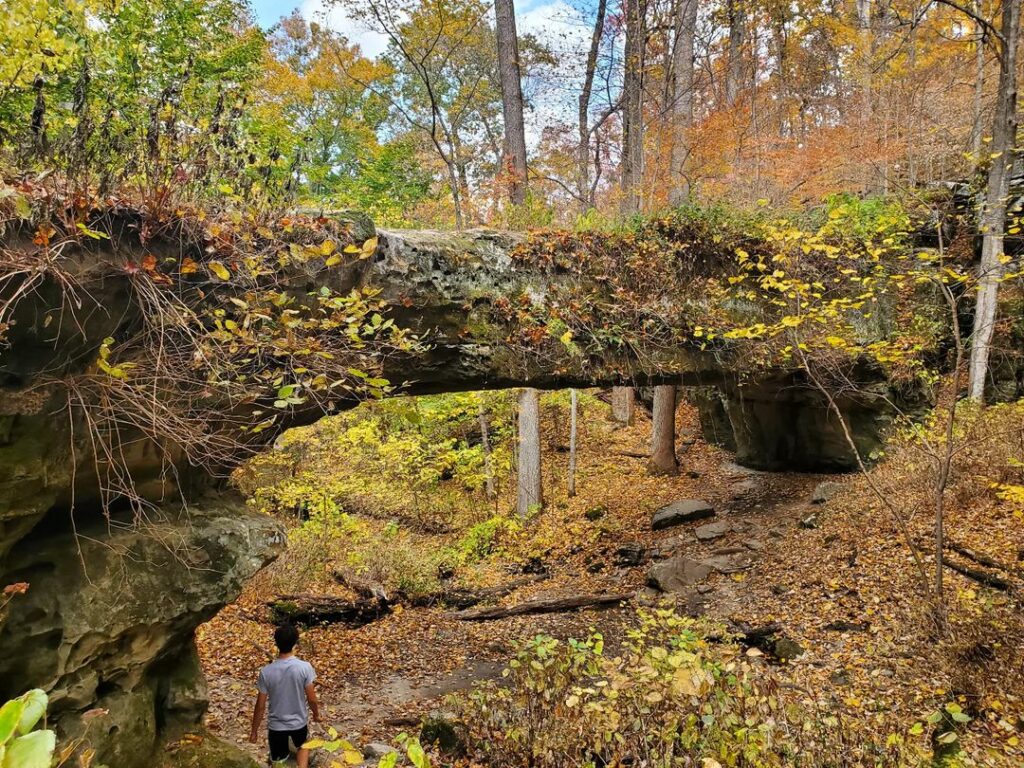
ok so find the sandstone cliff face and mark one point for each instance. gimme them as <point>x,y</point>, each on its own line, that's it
<point>111,613</point>
<point>110,616</point>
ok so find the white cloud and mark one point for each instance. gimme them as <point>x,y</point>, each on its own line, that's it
<point>335,17</point>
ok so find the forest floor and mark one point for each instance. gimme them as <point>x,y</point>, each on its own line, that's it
<point>842,585</point>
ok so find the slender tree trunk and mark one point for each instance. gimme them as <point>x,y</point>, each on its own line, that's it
<point>529,494</point>
<point>622,405</point>
<point>583,159</point>
<point>734,74</point>
<point>993,219</point>
<point>453,184</point>
<point>632,107</point>
<point>663,437</point>
<point>682,111</point>
<point>511,99</point>
<point>485,439</point>
<point>979,87</point>
<point>573,411</point>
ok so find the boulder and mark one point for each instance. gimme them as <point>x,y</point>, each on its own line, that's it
<point>118,634</point>
<point>679,512</point>
<point>785,649</point>
<point>375,750</point>
<point>825,491</point>
<point>630,554</point>
<point>810,522</point>
<point>712,531</point>
<point>201,750</point>
<point>677,574</point>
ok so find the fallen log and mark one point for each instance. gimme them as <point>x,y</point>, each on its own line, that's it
<point>847,626</point>
<point>310,609</point>
<point>466,598</point>
<point>982,559</point>
<point>982,577</point>
<point>748,635</point>
<point>544,605</point>
<point>366,589</point>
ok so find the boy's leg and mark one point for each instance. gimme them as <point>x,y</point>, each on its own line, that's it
<point>300,737</point>
<point>278,741</point>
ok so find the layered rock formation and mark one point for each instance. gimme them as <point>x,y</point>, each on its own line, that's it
<point>114,601</point>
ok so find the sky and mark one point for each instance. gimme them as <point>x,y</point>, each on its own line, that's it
<point>552,20</point>
<point>555,22</point>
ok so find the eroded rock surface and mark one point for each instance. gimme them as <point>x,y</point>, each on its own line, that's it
<point>680,512</point>
<point>118,632</point>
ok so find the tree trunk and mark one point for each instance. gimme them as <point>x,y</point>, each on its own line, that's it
<point>734,74</point>
<point>682,107</point>
<point>979,87</point>
<point>485,439</point>
<point>663,438</point>
<point>583,159</point>
<point>573,408</point>
<point>622,405</point>
<point>632,108</point>
<point>511,99</point>
<point>993,219</point>
<point>529,495</point>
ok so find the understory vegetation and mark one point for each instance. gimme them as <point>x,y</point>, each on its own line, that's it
<point>651,686</point>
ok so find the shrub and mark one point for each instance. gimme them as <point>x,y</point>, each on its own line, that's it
<point>670,694</point>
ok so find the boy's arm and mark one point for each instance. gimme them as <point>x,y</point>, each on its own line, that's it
<point>314,703</point>
<point>257,717</point>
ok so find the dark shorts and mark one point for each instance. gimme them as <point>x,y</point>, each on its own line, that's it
<point>279,741</point>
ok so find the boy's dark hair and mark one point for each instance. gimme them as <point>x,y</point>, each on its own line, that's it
<point>285,638</point>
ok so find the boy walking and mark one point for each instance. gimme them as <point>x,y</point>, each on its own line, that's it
<point>288,684</point>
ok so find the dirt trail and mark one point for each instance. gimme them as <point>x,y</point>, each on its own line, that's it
<point>377,680</point>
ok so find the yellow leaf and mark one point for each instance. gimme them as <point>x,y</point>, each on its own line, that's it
<point>327,247</point>
<point>219,270</point>
<point>369,247</point>
<point>333,260</point>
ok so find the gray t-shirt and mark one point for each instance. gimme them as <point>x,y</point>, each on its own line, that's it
<point>284,681</point>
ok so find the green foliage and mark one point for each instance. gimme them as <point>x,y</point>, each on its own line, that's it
<point>21,745</point>
<point>479,541</point>
<point>420,459</point>
<point>669,695</point>
<point>350,755</point>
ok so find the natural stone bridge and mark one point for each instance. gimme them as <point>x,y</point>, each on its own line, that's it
<point>110,616</point>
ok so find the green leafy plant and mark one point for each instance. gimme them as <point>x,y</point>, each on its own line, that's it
<point>22,745</point>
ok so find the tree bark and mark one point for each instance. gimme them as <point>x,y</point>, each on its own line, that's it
<point>632,108</point>
<point>622,405</point>
<point>734,74</point>
<point>511,99</point>
<point>485,440</point>
<point>573,409</point>
<point>993,219</point>
<point>529,496</point>
<point>583,159</point>
<point>663,438</point>
<point>979,87</point>
<point>682,107</point>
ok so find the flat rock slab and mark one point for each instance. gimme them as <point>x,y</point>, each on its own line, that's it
<point>677,574</point>
<point>728,563</point>
<point>712,531</point>
<point>679,512</point>
<point>825,491</point>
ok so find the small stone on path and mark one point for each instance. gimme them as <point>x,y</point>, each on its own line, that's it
<point>825,491</point>
<point>679,512</point>
<point>712,531</point>
<point>677,573</point>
